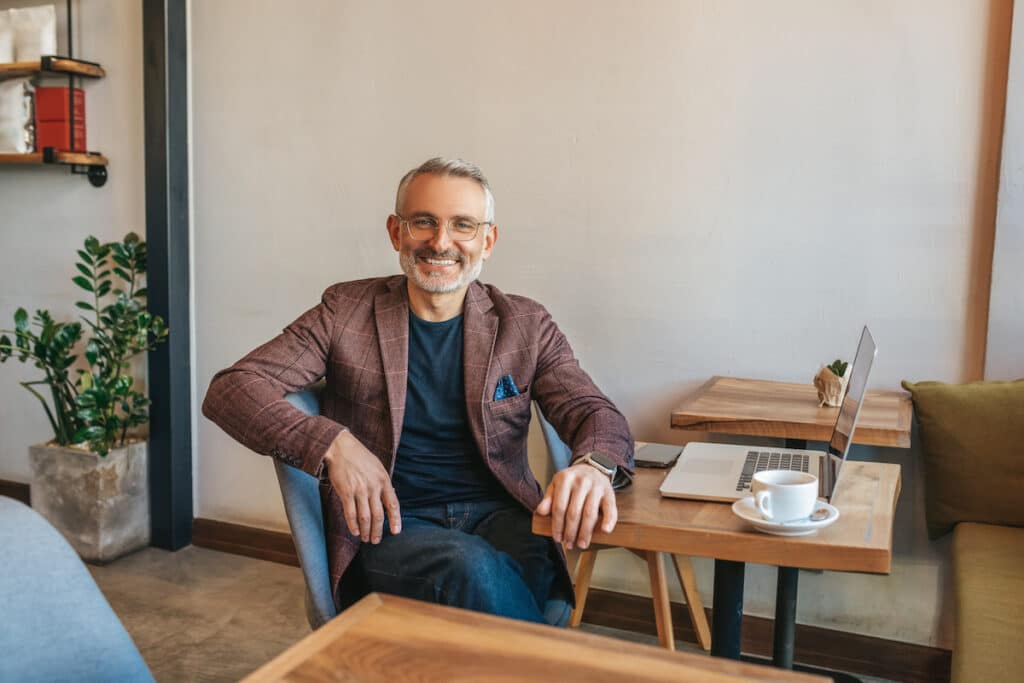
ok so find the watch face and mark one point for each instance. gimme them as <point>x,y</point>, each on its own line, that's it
<point>603,461</point>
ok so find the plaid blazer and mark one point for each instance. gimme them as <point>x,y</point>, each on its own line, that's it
<point>358,338</point>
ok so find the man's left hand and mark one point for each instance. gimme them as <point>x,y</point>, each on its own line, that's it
<point>573,499</point>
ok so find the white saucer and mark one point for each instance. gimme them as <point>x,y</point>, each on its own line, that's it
<point>745,509</point>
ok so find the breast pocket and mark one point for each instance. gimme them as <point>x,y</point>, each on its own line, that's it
<point>510,414</point>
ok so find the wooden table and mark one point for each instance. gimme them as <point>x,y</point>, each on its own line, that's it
<point>859,541</point>
<point>753,407</point>
<point>729,405</point>
<point>391,639</point>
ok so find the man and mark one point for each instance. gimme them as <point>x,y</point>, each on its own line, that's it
<point>421,442</point>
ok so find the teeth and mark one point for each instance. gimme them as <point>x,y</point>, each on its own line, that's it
<point>440,262</point>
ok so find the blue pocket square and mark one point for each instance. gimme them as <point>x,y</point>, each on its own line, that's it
<point>506,388</point>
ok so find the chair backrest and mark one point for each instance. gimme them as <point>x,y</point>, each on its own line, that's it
<point>301,494</point>
<point>560,453</point>
<point>56,624</point>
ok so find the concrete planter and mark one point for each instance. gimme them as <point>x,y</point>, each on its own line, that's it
<point>100,505</point>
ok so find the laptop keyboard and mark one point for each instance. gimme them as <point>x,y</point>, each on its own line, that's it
<point>759,461</point>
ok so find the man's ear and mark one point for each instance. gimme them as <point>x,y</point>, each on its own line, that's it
<point>394,228</point>
<point>490,237</point>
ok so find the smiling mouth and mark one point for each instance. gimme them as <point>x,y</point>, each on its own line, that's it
<point>438,261</point>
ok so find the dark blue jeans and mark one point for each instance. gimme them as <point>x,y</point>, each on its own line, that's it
<point>479,556</point>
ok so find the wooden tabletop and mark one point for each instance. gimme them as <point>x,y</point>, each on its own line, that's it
<point>860,540</point>
<point>391,639</point>
<point>755,407</point>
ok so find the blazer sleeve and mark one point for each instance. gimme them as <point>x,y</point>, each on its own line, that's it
<point>247,400</point>
<point>582,415</point>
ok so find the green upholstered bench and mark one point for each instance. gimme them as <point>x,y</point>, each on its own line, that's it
<point>973,441</point>
<point>988,573</point>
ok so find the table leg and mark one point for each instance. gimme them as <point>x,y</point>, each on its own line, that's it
<point>785,617</point>
<point>727,609</point>
<point>786,584</point>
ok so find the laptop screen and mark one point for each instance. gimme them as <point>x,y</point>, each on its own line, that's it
<point>846,421</point>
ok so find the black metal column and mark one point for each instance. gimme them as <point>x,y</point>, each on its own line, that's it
<point>785,617</point>
<point>165,71</point>
<point>727,609</point>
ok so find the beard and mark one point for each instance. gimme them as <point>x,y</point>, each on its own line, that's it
<point>438,283</point>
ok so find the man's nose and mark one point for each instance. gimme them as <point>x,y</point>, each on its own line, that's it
<point>441,241</point>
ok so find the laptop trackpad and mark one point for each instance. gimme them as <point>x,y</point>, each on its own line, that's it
<point>707,466</point>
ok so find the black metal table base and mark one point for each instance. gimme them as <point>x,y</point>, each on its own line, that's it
<point>727,609</point>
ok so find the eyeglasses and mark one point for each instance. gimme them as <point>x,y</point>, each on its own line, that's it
<point>459,229</point>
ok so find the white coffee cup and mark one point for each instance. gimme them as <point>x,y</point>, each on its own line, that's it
<point>784,495</point>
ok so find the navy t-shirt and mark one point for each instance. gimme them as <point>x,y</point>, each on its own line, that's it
<point>438,461</point>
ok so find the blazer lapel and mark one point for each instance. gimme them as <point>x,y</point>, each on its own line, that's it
<point>480,328</point>
<point>391,310</point>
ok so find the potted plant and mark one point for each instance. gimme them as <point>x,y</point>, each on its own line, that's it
<point>90,480</point>
<point>831,383</point>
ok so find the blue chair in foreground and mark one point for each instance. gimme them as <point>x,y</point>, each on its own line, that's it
<point>56,624</point>
<point>301,494</point>
<point>560,454</point>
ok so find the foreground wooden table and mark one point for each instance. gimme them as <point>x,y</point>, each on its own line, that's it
<point>391,639</point>
<point>753,407</point>
<point>859,541</point>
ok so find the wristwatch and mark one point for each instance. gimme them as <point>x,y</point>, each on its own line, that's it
<point>600,462</point>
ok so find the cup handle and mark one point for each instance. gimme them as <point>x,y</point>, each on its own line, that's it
<point>762,499</point>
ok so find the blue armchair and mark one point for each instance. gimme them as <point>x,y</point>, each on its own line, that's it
<point>301,494</point>
<point>56,624</point>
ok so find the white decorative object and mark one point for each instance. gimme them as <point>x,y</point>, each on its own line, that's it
<point>831,387</point>
<point>17,135</point>
<point>35,32</point>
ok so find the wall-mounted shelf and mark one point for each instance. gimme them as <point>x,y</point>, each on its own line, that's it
<point>52,65</point>
<point>91,164</point>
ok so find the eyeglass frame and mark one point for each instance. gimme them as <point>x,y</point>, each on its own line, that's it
<point>447,226</point>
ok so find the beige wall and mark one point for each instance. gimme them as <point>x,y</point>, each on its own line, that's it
<point>46,213</point>
<point>692,188</point>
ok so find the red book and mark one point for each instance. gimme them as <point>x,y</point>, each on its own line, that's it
<point>58,134</point>
<point>52,104</point>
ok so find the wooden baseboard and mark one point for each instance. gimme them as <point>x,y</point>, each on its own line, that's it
<point>16,490</point>
<point>263,544</point>
<point>815,646</point>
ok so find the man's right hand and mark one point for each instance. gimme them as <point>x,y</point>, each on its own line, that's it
<point>364,487</point>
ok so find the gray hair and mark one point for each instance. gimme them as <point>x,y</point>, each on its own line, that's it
<point>457,168</point>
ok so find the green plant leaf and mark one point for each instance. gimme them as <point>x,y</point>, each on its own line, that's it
<point>92,351</point>
<point>84,306</point>
<point>104,288</point>
<point>141,293</point>
<point>122,385</point>
<point>122,261</point>
<point>132,238</point>
<point>122,273</point>
<point>90,433</point>
<point>83,283</point>
<point>84,270</point>
<point>87,414</point>
<point>85,257</point>
<point>92,245</point>
<point>21,320</point>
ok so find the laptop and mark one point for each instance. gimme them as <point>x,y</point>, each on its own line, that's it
<point>723,472</point>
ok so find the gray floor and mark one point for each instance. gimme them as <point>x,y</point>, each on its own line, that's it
<point>202,615</point>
